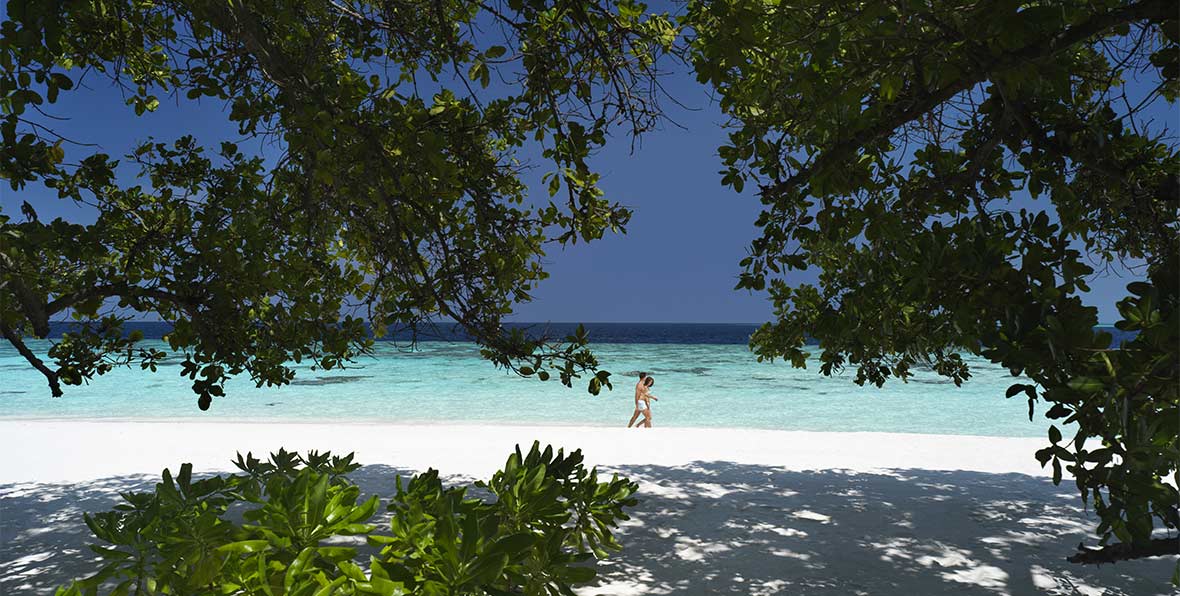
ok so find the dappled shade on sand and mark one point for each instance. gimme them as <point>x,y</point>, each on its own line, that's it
<point>720,527</point>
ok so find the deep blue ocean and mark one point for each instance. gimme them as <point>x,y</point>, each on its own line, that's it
<point>614,333</point>
<point>705,376</point>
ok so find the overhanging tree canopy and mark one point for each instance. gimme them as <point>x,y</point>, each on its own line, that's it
<point>396,197</point>
<point>955,170</point>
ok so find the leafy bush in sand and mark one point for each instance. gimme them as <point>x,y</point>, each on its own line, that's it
<point>543,519</point>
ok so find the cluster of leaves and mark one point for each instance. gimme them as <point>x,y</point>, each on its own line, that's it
<point>956,171</point>
<point>547,520</point>
<point>1128,400</point>
<point>391,194</point>
<point>520,342</point>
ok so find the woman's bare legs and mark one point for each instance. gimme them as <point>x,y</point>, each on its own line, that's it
<point>634,417</point>
<point>645,413</point>
<point>647,418</point>
<point>641,420</point>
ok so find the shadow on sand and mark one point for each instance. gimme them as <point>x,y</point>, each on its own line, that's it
<point>43,538</point>
<point>723,528</point>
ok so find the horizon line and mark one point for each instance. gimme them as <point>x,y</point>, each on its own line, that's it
<point>524,322</point>
<point>1099,324</point>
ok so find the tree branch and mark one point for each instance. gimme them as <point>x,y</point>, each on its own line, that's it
<point>908,111</point>
<point>1157,547</point>
<point>29,303</point>
<point>15,340</point>
<point>119,289</point>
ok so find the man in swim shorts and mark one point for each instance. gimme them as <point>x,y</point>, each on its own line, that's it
<point>640,403</point>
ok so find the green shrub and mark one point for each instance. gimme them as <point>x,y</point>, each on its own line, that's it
<point>546,519</point>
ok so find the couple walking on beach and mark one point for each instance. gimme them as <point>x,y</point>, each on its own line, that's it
<point>643,399</point>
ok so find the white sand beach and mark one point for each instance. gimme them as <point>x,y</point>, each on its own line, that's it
<point>722,511</point>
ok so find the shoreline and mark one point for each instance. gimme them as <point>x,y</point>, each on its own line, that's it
<point>434,422</point>
<point>89,448</point>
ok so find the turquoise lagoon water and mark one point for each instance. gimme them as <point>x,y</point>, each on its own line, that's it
<point>698,385</point>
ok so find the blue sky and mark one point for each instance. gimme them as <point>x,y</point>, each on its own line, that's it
<point>677,263</point>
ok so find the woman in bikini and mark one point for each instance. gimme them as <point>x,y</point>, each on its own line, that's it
<point>643,399</point>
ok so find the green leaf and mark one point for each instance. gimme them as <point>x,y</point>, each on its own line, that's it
<point>475,72</point>
<point>381,586</point>
<point>486,569</point>
<point>1086,384</point>
<point>513,544</point>
<point>352,570</point>
<point>576,575</point>
<point>204,571</point>
<point>244,547</point>
<point>331,587</point>
<point>298,566</point>
<point>334,554</point>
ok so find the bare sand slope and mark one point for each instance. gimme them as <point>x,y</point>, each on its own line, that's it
<point>723,511</point>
